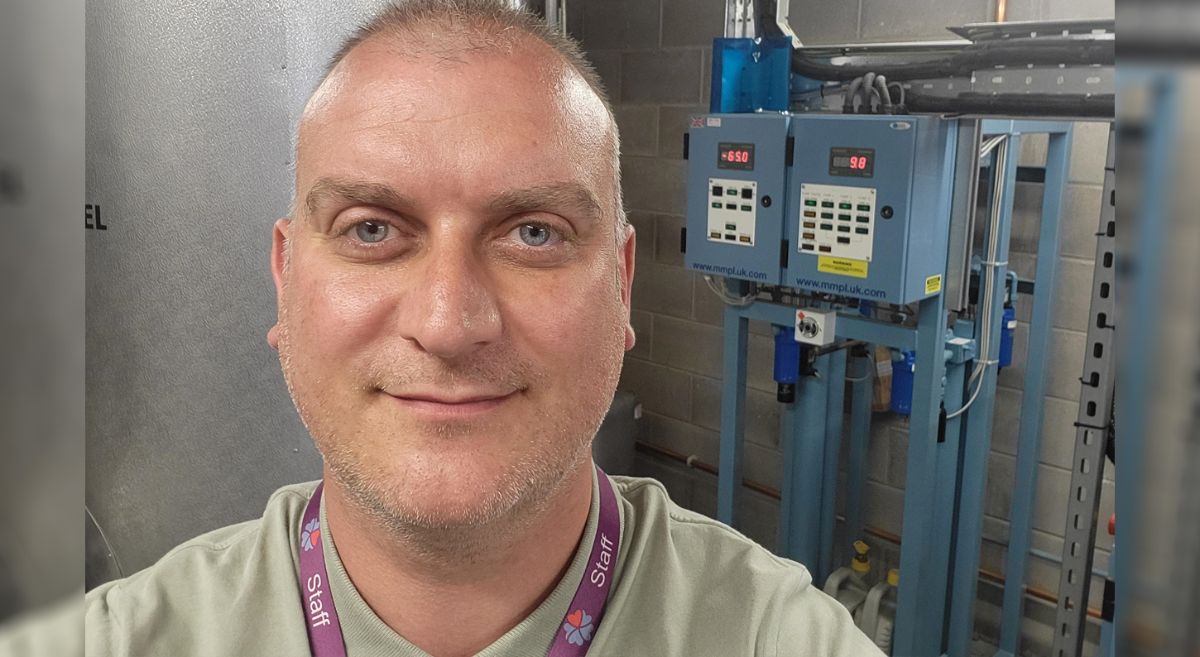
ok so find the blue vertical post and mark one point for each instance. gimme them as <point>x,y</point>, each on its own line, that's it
<point>804,463</point>
<point>1137,370</point>
<point>835,386</point>
<point>1029,432</point>
<point>860,432</point>
<point>917,604</point>
<point>948,479</point>
<point>978,419</point>
<point>733,411</point>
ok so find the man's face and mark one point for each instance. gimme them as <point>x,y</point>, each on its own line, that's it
<point>454,304</point>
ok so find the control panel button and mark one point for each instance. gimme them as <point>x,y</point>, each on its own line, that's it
<point>747,192</point>
<point>810,224</point>
<point>716,204</point>
<point>807,247</point>
<point>843,240</point>
<point>886,212</point>
<point>862,220</point>
<point>843,217</point>
<point>716,235</point>
<point>862,231</point>
<point>843,206</point>
<point>731,238</point>
<point>843,229</point>
<point>731,206</point>
<point>827,204</point>
<point>826,249</point>
<point>826,226</point>
<point>717,190</point>
<point>827,215</point>
<point>863,207</point>
<point>730,226</point>
<point>744,238</point>
<point>746,208</point>
<point>810,202</point>
<point>809,236</point>
<point>811,214</point>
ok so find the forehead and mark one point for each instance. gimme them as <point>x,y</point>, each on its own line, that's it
<point>484,114</point>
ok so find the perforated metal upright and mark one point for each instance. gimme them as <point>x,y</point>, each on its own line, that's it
<point>1092,427</point>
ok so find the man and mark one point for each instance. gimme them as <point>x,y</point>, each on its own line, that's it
<point>453,289</point>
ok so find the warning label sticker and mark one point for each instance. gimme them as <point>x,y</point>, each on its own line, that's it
<point>842,266</point>
<point>933,284</point>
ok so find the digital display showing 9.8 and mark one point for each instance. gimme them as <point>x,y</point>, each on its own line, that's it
<point>853,162</point>
<point>735,156</point>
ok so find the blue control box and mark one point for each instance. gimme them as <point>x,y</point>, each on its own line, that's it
<point>737,195</point>
<point>868,211</point>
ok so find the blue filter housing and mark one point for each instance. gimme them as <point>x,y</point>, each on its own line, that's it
<point>869,205</point>
<point>1008,326</point>
<point>787,363</point>
<point>903,371</point>
<point>750,75</point>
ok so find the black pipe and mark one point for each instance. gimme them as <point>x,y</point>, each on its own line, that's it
<point>1073,105</point>
<point>974,57</point>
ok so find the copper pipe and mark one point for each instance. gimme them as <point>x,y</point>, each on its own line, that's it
<point>985,574</point>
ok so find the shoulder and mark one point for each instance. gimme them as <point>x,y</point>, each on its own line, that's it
<point>660,525</point>
<point>199,585</point>
<point>723,593</point>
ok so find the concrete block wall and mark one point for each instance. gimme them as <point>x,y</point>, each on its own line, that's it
<point>655,57</point>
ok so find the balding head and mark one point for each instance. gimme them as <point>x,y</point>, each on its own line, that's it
<point>445,33</point>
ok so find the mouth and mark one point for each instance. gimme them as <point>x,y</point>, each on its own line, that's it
<point>452,405</point>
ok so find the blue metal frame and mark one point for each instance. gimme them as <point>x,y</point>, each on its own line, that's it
<point>860,433</point>
<point>977,425</point>
<point>943,504</point>
<point>1029,434</point>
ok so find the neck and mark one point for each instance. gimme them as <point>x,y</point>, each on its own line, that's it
<point>423,596</point>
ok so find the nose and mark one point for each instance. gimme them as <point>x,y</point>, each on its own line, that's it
<point>452,311</point>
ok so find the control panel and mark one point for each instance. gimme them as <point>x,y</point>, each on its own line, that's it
<point>731,211</point>
<point>846,204</point>
<point>837,220</point>
<point>737,193</point>
<point>869,205</point>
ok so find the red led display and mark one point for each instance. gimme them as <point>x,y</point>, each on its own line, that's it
<point>735,156</point>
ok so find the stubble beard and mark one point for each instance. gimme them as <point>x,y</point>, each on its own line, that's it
<point>559,443</point>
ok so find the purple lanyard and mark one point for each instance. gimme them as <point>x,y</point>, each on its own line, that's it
<point>578,626</point>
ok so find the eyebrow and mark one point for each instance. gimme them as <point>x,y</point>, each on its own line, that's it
<point>574,198</point>
<point>362,193</point>
<point>571,197</point>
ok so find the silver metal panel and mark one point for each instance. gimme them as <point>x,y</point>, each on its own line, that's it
<point>962,214</point>
<point>190,110</point>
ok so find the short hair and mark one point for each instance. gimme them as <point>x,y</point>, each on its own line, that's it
<point>482,25</point>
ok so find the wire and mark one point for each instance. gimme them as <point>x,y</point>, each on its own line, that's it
<point>103,537</point>
<point>725,296</point>
<point>988,266</point>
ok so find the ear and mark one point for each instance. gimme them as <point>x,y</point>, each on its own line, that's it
<point>628,253</point>
<point>279,245</point>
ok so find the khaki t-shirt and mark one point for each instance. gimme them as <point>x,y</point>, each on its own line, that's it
<point>685,585</point>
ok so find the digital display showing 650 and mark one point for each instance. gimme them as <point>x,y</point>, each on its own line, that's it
<point>735,156</point>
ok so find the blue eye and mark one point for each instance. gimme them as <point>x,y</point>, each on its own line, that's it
<point>372,231</point>
<point>534,235</point>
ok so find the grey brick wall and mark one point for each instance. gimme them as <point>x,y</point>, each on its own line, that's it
<point>654,56</point>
